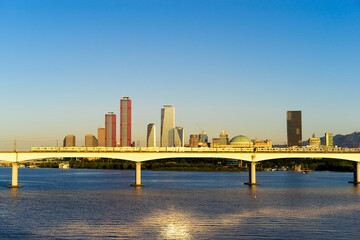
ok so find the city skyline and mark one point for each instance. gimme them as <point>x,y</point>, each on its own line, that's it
<point>240,73</point>
<point>152,119</point>
<point>177,138</point>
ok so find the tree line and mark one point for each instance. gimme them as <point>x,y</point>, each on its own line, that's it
<point>207,164</point>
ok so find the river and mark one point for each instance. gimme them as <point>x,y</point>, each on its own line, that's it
<point>100,204</point>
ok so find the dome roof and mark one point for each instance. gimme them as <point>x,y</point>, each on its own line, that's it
<point>240,139</point>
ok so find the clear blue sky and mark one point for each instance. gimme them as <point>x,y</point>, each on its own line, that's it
<point>234,65</point>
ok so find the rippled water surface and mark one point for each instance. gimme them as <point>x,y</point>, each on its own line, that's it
<point>98,204</point>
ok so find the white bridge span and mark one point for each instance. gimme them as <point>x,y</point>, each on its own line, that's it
<point>140,156</point>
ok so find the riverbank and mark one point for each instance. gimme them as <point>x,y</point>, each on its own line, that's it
<point>209,165</point>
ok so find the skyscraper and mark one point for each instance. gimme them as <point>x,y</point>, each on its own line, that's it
<point>90,141</point>
<point>329,139</point>
<point>110,130</point>
<point>203,139</point>
<point>151,135</point>
<point>294,131</point>
<point>101,137</point>
<point>69,141</point>
<point>125,122</point>
<point>179,137</point>
<point>167,126</point>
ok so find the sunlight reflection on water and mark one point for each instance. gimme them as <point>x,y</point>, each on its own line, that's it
<point>182,213</point>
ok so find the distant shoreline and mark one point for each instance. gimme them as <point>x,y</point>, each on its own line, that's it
<point>210,165</point>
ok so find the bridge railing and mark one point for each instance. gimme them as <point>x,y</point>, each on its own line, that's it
<point>189,149</point>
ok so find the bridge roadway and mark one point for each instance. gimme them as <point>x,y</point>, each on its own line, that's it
<point>138,156</point>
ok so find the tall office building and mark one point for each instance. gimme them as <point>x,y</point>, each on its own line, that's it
<point>194,140</point>
<point>329,139</point>
<point>69,141</point>
<point>90,141</point>
<point>294,131</point>
<point>110,130</point>
<point>203,137</point>
<point>101,137</point>
<point>151,135</point>
<point>167,126</point>
<point>179,137</point>
<point>224,138</point>
<point>125,122</point>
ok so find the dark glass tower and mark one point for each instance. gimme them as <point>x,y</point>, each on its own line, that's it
<point>294,131</point>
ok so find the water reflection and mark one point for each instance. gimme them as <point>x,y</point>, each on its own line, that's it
<point>252,188</point>
<point>138,191</point>
<point>14,192</point>
<point>356,189</point>
<point>252,191</point>
<point>175,225</point>
<point>205,212</point>
<point>178,224</point>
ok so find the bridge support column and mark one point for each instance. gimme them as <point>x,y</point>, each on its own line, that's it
<point>252,174</point>
<point>138,176</point>
<point>356,173</point>
<point>14,182</point>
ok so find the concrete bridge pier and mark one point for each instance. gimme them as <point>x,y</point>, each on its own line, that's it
<point>138,176</point>
<point>14,182</point>
<point>252,174</point>
<point>356,173</point>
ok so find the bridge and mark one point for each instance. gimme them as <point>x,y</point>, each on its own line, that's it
<point>138,155</point>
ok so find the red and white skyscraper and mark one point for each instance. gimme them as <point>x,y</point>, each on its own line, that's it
<point>110,130</point>
<point>125,122</point>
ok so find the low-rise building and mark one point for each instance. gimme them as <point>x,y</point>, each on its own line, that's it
<point>216,142</point>
<point>314,142</point>
<point>69,141</point>
<point>91,141</point>
<point>194,140</point>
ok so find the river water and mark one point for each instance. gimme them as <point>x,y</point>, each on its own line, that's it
<point>100,204</point>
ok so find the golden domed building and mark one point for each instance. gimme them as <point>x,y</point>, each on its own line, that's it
<point>241,141</point>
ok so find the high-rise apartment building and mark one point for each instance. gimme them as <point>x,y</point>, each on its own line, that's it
<point>167,126</point>
<point>151,135</point>
<point>179,137</point>
<point>125,122</point>
<point>294,131</point>
<point>69,141</point>
<point>194,140</point>
<point>90,141</point>
<point>101,137</point>
<point>110,130</point>
<point>329,139</point>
